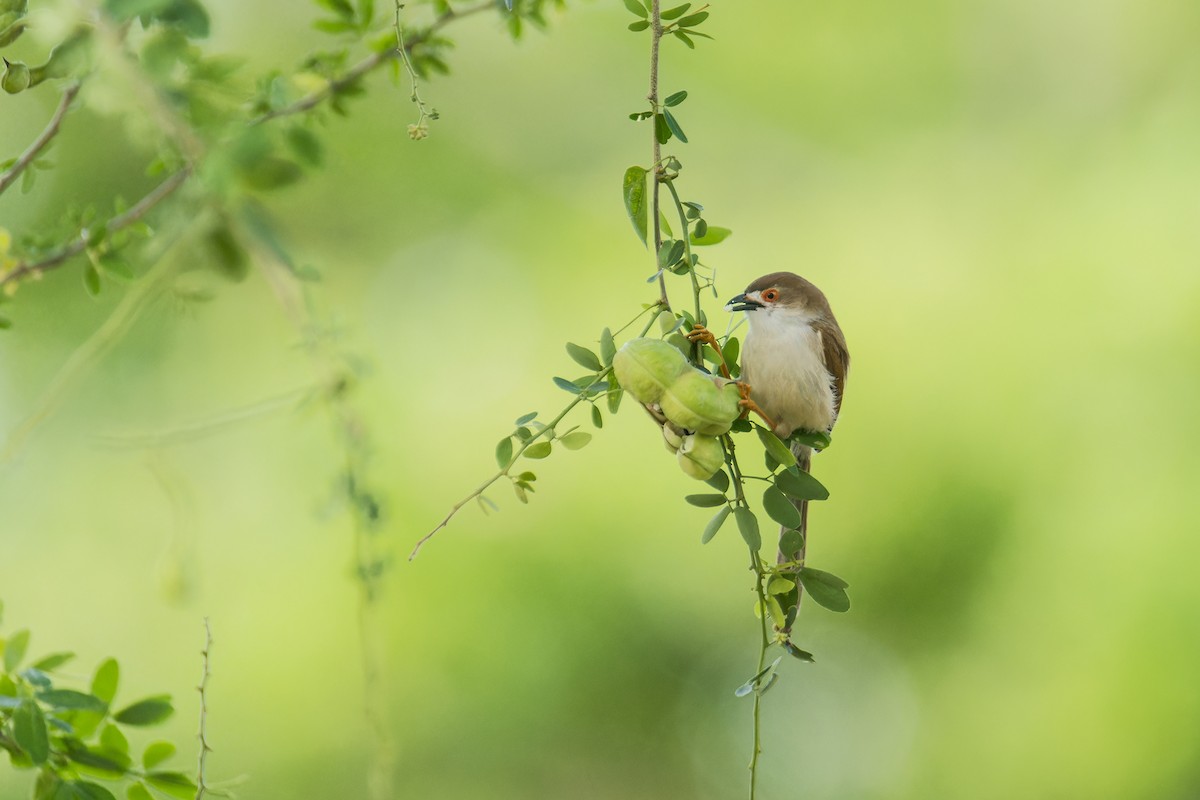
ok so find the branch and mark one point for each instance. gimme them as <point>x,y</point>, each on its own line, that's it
<point>79,244</point>
<point>12,173</point>
<point>368,64</point>
<point>201,784</point>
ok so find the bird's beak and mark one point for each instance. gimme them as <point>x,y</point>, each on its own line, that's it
<point>742,303</point>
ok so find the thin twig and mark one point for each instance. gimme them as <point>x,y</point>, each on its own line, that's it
<point>79,244</point>
<point>581,397</point>
<point>656,34</point>
<point>202,759</point>
<point>368,64</point>
<point>39,144</point>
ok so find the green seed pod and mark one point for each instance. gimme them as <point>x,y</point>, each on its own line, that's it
<point>701,456</point>
<point>16,77</point>
<point>696,402</point>
<point>645,367</point>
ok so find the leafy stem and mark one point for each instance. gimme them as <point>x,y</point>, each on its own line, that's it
<point>656,34</point>
<point>418,130</point>
<point>548,430</point>
<point>39,144</point>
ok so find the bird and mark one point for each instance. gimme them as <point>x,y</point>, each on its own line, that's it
<point>794,361</point>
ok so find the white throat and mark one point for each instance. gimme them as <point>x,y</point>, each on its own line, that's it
<point>783,361</point>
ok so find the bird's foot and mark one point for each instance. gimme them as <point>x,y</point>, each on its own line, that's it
<point>749,406</point>
<point>703,335</point>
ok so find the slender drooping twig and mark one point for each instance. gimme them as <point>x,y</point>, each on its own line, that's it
<point>368,64</point>
<point>656,34</point>
<point>39,144</point>
<point>202,759</point>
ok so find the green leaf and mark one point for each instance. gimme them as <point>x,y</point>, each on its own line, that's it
<point>113,740</point>
<point>566,385</point>
<point>524,418</point>
<point>106,764</point>
<point>673,124</point>
<point>672,13</point>
<point>760,682</point>
<point>780,509</point>
<point>693,19</point>
<point>637,8</point>
<point>817,440</point>
<point>714,525</point>
<point>190,17</point>
<point>156,753</point>
<point>683,37</point>
<point>91,280</point>
<point>5,323</point>
<point>150,711</point>
<point>780,585</point>
<point>104,684</point>
<point>634,191</point>
<point>72,700</point>
<point>706,500</point>
<point>640,25</point>
<point>597,417</point>
<point>778,450</point>
<point>138,791</point>
<point>269,172</point>
<point>801,485</point>
<point>29,729</point>
<point>584,357</point>
<point>825,588</point>
<point>670,253</point>
<point>175,784</point>
<point>662,131</point>
<point>748,526</point>
<point>85,790</point>
<point>714,235</point>
<point>504,451</point>
<point>719,480</point>
<point>791,542</point>
<point>675,99</point>
<point>122,10</point>
<point>576,439</point>
<point>608,347</point>
<point>305,145</point>
<point>14,650</point>
<point>538,450</point>
<point>796,652</point>
<point>53,661</point>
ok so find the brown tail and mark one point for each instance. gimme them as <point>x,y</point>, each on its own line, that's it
<point>791,600</point>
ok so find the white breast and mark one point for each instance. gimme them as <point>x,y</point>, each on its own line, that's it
<point>782,361</point>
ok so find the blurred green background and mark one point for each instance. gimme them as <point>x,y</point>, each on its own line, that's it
<point>999,198</point>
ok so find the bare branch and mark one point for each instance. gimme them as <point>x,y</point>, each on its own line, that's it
<point>9,176</point>
<point>201,783</point>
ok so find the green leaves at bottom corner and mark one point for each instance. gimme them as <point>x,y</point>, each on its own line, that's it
<point>825,588</point>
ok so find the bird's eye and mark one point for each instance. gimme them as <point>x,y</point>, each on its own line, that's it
<point>770,295</point>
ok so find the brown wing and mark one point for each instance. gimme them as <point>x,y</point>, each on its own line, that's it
<point>837,357</point>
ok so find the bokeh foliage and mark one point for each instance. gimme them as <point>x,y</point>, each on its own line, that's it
<point>998,199</point>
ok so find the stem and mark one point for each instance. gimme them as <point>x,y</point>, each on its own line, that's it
<point>39,144</point>
<point>368,64</point>
<point>581,397</point>
<point>402,54</point>
<point>656,34</point>
<point>201,784</point>
<point>756,563</point>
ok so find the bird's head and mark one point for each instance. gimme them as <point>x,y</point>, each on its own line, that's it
<point>781,292</point>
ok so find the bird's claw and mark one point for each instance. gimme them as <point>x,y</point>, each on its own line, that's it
<point>701,334</point>
<point>749,406</point>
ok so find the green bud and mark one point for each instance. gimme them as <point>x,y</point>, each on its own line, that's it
<point>702,403</point>
<point>646,367</point>
<point>16,77</point>
<point>701,456</point>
